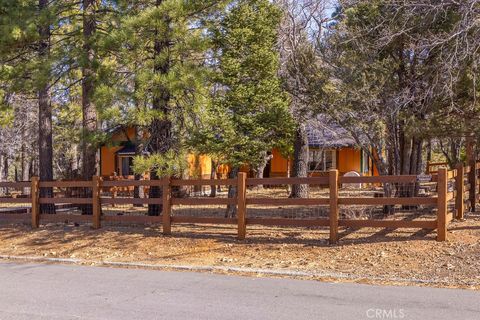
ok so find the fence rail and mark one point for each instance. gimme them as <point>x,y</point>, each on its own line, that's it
<point>333,200</point>
<point>432,167</point>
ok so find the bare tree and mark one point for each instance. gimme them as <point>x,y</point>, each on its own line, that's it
<point>396,74</point>
<point>303,23</point>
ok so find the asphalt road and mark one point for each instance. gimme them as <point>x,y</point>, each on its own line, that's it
<point>46,291</point>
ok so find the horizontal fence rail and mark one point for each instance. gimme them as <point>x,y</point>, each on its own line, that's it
<point>451,189</point>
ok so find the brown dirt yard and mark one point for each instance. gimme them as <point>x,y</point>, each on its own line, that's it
<point>403,256</point>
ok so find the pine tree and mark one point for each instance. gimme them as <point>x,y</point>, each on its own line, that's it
<point>249,115</point>
<point>161,51</point>
<point>27,68</point>
<point>89,111</point>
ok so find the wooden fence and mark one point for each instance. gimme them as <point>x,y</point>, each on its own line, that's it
<point>450,188</point>
<point>432,167</point>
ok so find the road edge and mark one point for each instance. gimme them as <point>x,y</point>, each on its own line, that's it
<point>321,276</point>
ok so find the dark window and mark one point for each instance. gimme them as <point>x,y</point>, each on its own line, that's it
<point>126,163</point>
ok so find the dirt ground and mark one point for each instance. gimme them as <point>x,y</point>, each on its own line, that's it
<point>401,256</point>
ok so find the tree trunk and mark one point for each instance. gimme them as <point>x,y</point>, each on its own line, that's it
<point>89,112</point>
<point>22,159</point>
<point>137,190</point>
<point>5,170</point>
<point>419,146</point>
<point>232,193</point>
<point>414,155</point>
<point>155,192</point>
<point>45,146</point>
<point>300,162</point>
<point>391,161</point>
<point>429,150</point>
<point>161,138</point>
<point>26,174</point>
<point>89,120</point>
<point>405,149</point>
<point>213,172</point>
<point>2,190</point>
<point>394,147</point>
<point>260,169</point>
<point>455,146</point>
<point>5,167</point>
<point>383,169</point>
<point>415,168</point>
<point>471,161</point>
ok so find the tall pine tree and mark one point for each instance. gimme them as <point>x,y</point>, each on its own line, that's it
<point>161,49</point>
<point>249,115</point>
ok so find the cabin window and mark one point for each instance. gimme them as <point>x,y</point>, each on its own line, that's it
<point>321,160</point>
<point>126,164</point>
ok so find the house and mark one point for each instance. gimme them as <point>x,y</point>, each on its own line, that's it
<point>116,157</point>
<point>330,147</point>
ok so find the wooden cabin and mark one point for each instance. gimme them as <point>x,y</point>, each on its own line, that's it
<point>330,147</point>
<point>116,157</point>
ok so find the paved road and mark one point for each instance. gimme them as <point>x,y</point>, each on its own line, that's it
<point>41,291</point>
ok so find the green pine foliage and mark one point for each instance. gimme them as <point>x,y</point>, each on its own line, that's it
<point>248,114</point>
<point>158,49</point>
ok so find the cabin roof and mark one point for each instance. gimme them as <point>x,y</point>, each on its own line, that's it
<point>324,133</point>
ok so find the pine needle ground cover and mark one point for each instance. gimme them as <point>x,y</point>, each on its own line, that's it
<point>403,257</point>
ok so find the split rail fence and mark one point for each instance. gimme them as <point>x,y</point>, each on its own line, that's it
<point>444,195</point>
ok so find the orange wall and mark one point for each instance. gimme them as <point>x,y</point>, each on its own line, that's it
<point>108,152</point>
<point>108,160</point>
<point>202,162</point>
<point>348,159</point>
<point>108,156</point>
<point>199,165</point>
<point>279,165</point>
<point>224,169</point>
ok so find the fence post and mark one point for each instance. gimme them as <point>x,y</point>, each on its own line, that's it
<point>96,206</point>
<point>167,207</point>
<point>477,191</point>
<point>442,205</point>
<point>242,205</point>
<point>472,180</point>
<point>34,193</point>
<point>333,184</point>
<point>460,188</point>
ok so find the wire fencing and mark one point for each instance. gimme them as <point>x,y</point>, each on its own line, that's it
<point>277,198</point>
<point>15,201</point>
<point>426,202</point>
